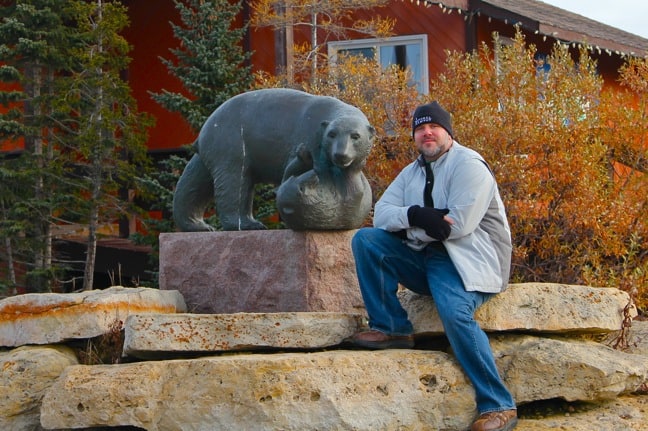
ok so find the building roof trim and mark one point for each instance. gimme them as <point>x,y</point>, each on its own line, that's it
<point>550,21</point>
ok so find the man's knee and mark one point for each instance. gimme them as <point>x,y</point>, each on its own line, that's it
<point>455,315</point>
<point>362,236</point>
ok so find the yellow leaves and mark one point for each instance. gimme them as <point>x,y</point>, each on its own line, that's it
<point>634,75</point>
<point>331,14</point>
<point>380,27</point>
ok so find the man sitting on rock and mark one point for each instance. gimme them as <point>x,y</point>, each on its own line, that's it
<point>440,230</point>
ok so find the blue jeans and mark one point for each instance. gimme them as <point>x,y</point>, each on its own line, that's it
<point>383,261</point>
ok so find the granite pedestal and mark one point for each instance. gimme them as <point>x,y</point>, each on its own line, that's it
<point>261,271</point>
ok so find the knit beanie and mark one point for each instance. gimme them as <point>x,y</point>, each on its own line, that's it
<point>432,113</point>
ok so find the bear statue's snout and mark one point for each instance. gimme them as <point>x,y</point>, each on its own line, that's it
<point>342,160</point>
<point>342,152</point>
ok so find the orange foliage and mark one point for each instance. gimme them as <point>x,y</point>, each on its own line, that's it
<point>570,159</point>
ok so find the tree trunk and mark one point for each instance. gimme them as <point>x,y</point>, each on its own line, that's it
<point>91,244</point>
<point>11,271</point>
<point>96,174</point>
<point>314,45</point>
<point>38,281</point>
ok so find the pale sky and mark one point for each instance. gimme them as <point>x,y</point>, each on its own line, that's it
<point>628,15</point>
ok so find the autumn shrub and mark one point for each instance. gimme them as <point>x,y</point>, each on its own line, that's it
<point>569,157</point>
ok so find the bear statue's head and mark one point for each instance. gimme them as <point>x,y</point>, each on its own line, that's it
<point>346,141</point>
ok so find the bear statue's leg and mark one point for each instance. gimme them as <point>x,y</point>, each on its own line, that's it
<point>234,195</point>
<point>192,196</point>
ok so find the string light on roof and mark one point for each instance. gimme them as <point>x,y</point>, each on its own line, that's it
<point>574,44</point>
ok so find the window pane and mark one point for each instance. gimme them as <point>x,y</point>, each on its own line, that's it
<point>404,56</point>
<point>404,51</point>
<point>369,52</point>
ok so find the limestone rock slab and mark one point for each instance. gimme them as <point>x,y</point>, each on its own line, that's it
<point>261,271</point>
<point>332,390</point>
<point>537,368</point>
<point>337,390</point>
<point>625,413</point>
<point>146,334</point>
<point>44,318</point>
<point>25,374</point>
<point>533,307</point>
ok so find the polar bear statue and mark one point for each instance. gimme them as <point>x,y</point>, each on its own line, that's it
<point>313,147</point>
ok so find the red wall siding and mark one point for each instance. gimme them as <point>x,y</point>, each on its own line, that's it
<point>151,37</point>
<point>7,145</point>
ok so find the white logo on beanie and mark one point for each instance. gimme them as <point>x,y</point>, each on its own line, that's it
<point>422,120</point>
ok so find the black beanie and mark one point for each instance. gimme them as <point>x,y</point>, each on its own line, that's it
<point>432,113</point>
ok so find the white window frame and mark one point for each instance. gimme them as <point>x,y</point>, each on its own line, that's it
<point>421,39</point>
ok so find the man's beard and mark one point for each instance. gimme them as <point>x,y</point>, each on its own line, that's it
<point>432,153</point>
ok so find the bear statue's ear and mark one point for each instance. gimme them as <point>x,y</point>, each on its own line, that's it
<point>372,131</point>
<point>320,132</point>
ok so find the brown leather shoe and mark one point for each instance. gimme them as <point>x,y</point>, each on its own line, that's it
<point>496,421</point>
<point>379,340</point>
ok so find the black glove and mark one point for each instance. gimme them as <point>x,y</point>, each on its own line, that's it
<point>431,220</point>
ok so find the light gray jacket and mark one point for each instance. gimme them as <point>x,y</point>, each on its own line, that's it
<point>480,239</point>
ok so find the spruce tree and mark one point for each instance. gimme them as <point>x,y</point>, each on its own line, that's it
<point>108,135</point>
<point>212,65</point>
<point>33,35</point>
<point>210,60</point>
<point>76,123</point>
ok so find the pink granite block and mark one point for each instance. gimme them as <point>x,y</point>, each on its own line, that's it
<point>261,271</point>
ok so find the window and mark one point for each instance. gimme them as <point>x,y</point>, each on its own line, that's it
<point>405,51</point>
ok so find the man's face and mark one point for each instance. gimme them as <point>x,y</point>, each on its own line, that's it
<point>432,140</point>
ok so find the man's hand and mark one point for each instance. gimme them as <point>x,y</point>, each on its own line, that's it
<point>431,220</point>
